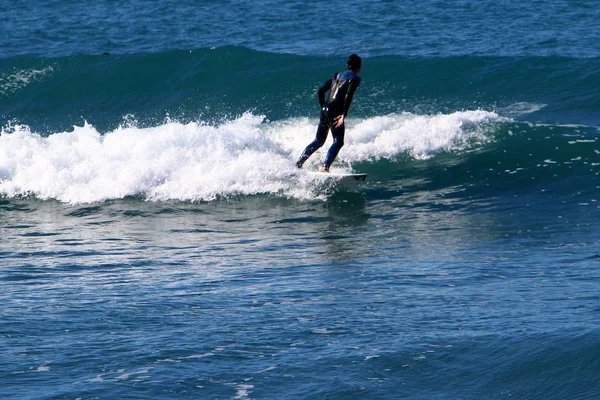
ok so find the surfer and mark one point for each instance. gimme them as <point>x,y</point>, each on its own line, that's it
<point>341,87</point>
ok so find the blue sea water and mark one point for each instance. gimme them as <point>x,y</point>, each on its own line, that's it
<point>159,243</point>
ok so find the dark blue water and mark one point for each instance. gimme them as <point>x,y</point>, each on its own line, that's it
<point>159,243</point>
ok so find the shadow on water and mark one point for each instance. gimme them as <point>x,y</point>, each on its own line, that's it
<point>340,234</point>
<point>346,208</point>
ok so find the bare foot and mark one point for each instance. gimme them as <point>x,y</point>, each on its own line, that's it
<point>324,169</point>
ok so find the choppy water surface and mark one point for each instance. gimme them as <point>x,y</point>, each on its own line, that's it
<point>158,242</point>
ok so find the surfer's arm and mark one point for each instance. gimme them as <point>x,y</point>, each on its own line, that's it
<point>323,89</point>
<point>354,82</point>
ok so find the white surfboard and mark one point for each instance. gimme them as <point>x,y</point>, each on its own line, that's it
<point>339,177</point>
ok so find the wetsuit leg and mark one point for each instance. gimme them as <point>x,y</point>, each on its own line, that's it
<point>319,141</point>
<point>338,142</point>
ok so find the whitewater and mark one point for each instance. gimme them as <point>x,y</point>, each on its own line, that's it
<point>200,162</point>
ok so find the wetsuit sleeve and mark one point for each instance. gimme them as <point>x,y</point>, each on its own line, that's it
<point>354,83</point>
<point>323,89</point>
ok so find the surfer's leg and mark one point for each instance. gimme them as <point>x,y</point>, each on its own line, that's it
<point>338,142</point>
<point>319,141</point>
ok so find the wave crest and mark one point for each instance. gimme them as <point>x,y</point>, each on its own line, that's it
<point>201,162</point>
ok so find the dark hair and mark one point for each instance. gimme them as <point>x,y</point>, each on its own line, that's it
<point>354,62</point>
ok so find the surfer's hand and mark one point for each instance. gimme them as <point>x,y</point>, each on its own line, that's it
<point>338,121</point>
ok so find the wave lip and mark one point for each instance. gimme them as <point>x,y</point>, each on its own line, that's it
<point>421,136</point>
<point>200,162</point>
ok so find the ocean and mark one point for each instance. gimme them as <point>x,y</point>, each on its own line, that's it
<point>158,241</point>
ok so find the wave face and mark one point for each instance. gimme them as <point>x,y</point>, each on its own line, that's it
<point>52,94</point>
<point>212,123</point>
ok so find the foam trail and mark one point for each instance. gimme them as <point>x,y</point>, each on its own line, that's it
<point>19,78</point>
<point>198,162</point>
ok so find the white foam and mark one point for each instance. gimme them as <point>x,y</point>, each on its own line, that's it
<point>16,79</point>
<point>521,108</point>
<point>201,162</point>
<point>420,136</point>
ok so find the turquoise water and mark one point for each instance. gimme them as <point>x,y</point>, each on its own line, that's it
<point>158,242</point>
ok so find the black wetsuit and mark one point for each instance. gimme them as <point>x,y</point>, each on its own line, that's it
<point>341,87</point>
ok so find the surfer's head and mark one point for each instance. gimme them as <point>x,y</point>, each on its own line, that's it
<point>354,63</point>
